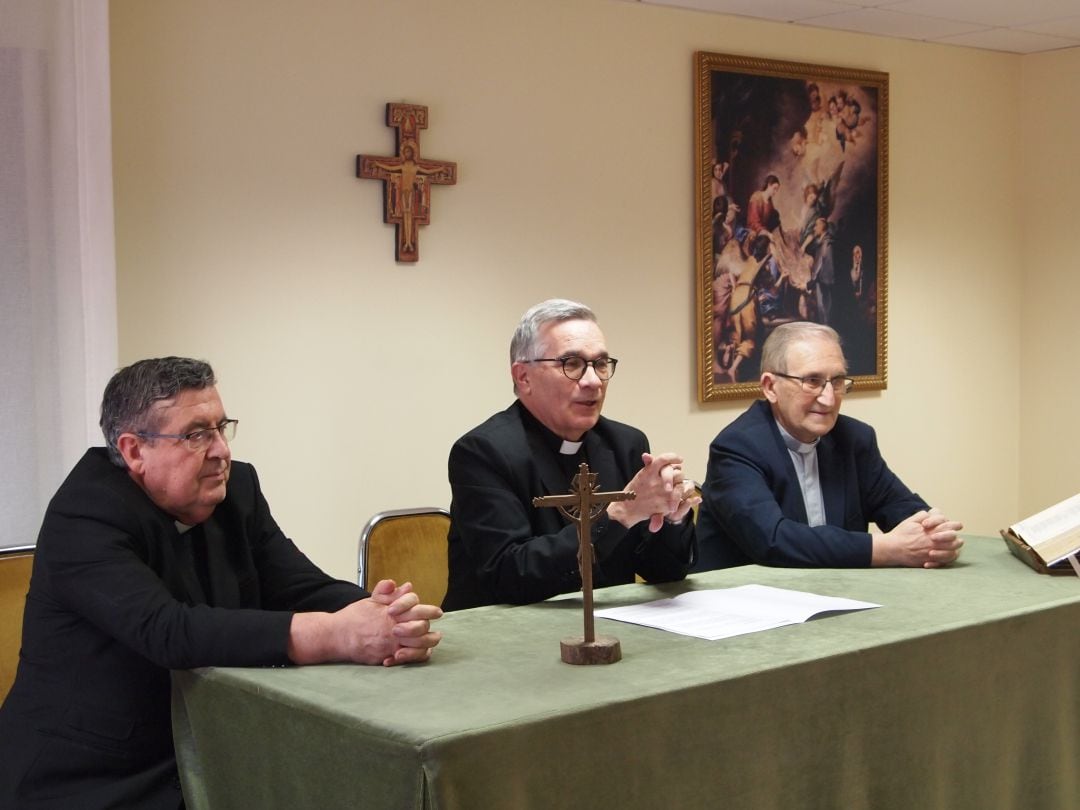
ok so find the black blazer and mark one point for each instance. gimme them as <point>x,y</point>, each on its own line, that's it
<point>502,549</point>
<point>118,597</point>
<point>752,508</point>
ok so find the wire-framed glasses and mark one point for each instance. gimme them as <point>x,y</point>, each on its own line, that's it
<point>574,366</point>
<point>816,385</point>
<point>200,439</point>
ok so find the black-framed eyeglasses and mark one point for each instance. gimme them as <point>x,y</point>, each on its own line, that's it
<point>816,385</point>
<point>574,366</point>
<point>200,439</point>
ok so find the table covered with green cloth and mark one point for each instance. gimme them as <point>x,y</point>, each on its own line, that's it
<point>961,691</point>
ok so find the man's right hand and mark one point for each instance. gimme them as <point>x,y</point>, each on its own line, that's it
<point>660,491</point>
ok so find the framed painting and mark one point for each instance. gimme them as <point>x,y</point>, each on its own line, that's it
<point>791,170</point>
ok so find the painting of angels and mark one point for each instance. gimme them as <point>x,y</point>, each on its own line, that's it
<point>792,209</point>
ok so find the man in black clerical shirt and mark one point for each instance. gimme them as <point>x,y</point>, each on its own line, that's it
<point>501,548</point>
<point>159,552</point>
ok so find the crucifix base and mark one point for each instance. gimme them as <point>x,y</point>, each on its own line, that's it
<point>576,650</point>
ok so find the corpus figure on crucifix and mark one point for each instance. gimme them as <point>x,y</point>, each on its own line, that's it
<point>581,507</point>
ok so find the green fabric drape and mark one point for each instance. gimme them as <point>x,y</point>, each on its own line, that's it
<point>962,691</point>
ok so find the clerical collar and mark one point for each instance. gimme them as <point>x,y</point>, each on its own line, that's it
<point>551,439</point>
<point>794,445</point>
<point>183,528</point>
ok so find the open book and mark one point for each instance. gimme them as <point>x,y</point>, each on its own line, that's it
<point>1048,541</point>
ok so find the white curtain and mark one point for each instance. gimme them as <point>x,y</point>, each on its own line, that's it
<point>57,259</point>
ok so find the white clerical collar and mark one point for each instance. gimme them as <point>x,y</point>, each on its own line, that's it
<point>570,448</point>
<point>182,527</point>
<point>794,445</point>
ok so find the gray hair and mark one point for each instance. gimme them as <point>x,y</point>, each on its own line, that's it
<point>524,345</point>
<point>775,351</point>
<point>131,393</point>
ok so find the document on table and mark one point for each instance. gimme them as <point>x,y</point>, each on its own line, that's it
<point>727,612</point>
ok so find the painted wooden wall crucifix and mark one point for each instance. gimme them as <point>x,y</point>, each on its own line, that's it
<point>407,178</point>
<point>582,505</point>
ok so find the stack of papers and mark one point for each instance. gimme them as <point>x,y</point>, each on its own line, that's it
<point>731,612</point>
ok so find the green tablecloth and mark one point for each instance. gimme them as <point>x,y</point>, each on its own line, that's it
<point>962,691</point>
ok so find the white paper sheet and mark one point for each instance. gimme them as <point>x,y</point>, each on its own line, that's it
<point>727,612</point>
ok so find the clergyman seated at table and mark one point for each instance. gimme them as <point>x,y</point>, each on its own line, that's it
<point>159,552</point>
<point>502,548</point>
<point>791,482</point>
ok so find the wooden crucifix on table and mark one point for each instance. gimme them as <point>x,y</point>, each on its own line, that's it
<point>582,505</point>
<point>407,178</point>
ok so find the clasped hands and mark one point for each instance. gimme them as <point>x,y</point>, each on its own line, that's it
<point>390,627</point>
<point>661,492</point>
<point>411,635</point>
<point>927,539</point>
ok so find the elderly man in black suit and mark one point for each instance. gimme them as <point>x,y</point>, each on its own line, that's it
<point>791,482</point>
<point>501,548</point>
<point>159,552</point>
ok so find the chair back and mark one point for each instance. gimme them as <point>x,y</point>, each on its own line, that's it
<point>14,582</point>
<point>406,545</point>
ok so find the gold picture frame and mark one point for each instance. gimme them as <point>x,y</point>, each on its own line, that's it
<point>791,165</point>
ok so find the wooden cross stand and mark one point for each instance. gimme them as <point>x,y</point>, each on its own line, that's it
<point>407,178</point>
<point>581,506</point>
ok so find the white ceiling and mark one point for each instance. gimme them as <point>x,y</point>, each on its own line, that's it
<point>1016,26</point>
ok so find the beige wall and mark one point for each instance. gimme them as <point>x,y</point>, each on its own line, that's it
<point>244,237</point>
<point>1048,123</point>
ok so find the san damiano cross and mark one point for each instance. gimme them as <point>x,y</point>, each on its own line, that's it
<point>407,178</point>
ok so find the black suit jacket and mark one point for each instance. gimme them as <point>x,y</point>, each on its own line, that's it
<point>502,549</point>
<point>118,597</point>
<point>752,508</point>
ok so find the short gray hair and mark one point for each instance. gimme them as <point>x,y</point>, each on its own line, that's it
<point>775,351</point>
<point>131,393</point>
<point>524,345</point>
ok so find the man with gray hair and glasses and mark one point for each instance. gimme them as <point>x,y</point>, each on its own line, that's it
<point>159,552</point>
<point>502,548</point>
<point>791,482</point>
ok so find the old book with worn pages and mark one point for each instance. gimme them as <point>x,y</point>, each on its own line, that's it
<point>1049,541</point>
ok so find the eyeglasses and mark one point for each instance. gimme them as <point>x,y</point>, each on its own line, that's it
<point>200,439</point>
<point>574,366</point>
<point>816,385</point>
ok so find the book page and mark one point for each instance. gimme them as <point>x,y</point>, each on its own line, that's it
<point>1054,532</point>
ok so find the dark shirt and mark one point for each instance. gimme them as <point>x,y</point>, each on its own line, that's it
<point>118,597</point>
<point>502,549</point>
